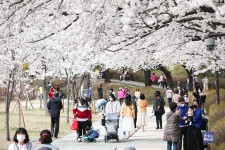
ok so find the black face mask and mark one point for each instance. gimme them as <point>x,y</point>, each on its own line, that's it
<point>195,106</point>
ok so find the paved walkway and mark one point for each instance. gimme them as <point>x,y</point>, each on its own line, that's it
<point>128,82</point>
<point>151,139</point>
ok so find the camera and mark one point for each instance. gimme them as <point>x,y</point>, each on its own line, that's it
<point>210,43</point>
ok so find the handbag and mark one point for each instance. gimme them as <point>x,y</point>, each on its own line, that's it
<point>162,111</point>
<point>74,124</point>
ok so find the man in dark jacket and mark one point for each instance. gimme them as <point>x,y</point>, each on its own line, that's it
<point>54,107</point>
<point>158,108</point>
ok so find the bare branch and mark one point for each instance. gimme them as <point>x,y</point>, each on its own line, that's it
<point>15,3</point>
<point>51,34</point>
<point>42,38</point>
<point>71,23</point>
<point>61,4</point>
<point>189,19</point>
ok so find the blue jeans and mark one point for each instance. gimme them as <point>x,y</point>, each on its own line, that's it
<point>101,102</point>
<point>169,145</point>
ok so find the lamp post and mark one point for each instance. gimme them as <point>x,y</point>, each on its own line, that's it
<point>210,43</point>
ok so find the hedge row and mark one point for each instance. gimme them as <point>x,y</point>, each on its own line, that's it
<point>216,115</point>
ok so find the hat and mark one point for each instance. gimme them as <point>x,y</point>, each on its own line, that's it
<point>56,94</point>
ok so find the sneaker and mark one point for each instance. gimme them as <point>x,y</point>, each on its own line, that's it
<point>157,128</point>
<point>56,137</point>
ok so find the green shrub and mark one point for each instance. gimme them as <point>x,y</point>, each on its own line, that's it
<point>220,146</point>
<point>216,113</point>
<point>219,132</point>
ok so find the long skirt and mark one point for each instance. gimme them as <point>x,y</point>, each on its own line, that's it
<point>128,124</point>
<point>194,140</point>
<point>142,119</point>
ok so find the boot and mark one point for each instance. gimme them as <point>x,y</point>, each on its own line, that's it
<point>157,123</point>
<point>160,124</point>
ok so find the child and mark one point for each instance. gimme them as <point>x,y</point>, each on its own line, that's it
<point>190,114</point>
<point>90,135</point>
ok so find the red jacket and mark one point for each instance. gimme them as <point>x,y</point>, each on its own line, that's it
<point>83,113</point>
<point>51,93</point>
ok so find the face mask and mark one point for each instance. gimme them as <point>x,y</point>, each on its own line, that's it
<point>195,106</point>
<point>182,105</point>
<point>111,99</point>
<point>20,137</point>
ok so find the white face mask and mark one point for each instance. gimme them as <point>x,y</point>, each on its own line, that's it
<point>182,105</point>
<point>20,137</point>
<point>111,99</point>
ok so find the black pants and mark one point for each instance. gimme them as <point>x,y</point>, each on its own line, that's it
<point>135,121</point>
<point>121,101</point>
<point>183,138</point>
<point>81,127</point>
<point>169,100</point>
<point>194,140</point>
<point>158,120</point>
<point>100,95</point>
<point>55,126</point>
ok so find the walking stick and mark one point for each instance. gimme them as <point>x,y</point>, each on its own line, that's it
<point>133,133</point>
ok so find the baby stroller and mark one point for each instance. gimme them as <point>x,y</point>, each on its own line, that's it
<point>111,126</point>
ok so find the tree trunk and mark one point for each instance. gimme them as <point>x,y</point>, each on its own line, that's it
<point>106,76</point>
<point>7,104</point>
<point>147,76</point>
<point>190,77</point>
<point>8,98</point>
<point>68,99</point>
<point>168,76</point>
<point>45,93</point>
<point>73,89</point>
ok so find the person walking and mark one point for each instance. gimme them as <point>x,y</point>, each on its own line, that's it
<point>21,140</point>
<point>205,82</point>
<point>142,112</point>
<point>183,109</point>
<point>90,93</point>
<point>112,106</point>
<point>82,112</point>
<point>158,109</point>
<point>111,91</point>
<point>172,131</point>
<point>100,92</point>
<point>194,134</point>
<point>46,140</point>
<point>137,93</point>
<point>120,96</point>
<point>154,78</point>
<point>133,100</point>
<point>54,106</point>
<point>169,94</point>
<point>176,96</point>
<point>186,99</point>
<point>51,93</point>
<point>126,91</point>
<point>128,112</point>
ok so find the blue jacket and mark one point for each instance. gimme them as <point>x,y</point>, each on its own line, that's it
<point>183,113</point>
<point>197,120</point>
<point>93,134</point>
